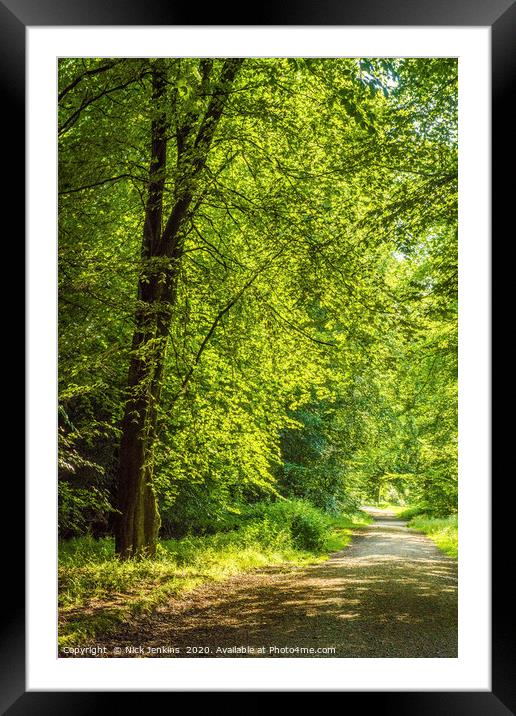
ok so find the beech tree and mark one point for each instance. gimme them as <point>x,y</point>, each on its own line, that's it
<point>257,286</point>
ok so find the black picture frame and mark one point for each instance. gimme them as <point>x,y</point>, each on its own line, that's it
<point>500,16</point>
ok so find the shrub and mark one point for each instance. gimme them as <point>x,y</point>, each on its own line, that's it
<point>308,527</point>
<point>81,508</point>
<point>413,511</point>
<point>309,530</point>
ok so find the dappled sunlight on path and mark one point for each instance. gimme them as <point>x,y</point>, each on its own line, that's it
<point>390,594</point>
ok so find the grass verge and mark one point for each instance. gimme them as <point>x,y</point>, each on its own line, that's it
<point>97,591</point>
<point>441,530</point>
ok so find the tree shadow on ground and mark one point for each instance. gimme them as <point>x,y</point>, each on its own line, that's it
<point>391,594</point>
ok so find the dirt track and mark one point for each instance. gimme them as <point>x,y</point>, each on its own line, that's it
<point>392,593</point>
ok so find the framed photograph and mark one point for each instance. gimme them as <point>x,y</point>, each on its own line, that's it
<point>258,289</point>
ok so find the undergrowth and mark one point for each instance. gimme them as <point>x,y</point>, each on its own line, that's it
<point>442,530</point>
<point>97,591</point>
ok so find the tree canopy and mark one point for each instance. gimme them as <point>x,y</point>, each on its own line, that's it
<point>257,288</point>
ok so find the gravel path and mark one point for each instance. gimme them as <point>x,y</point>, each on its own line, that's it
<point>391,593</point>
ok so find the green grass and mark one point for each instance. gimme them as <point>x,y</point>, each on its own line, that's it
<point>389,507</point>
<point>383,505</point>
<point>442,530</point>
<point>97,591</point>
<point>408,512</point>
<point>341,530</point>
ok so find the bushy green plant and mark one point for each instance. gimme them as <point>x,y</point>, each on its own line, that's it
<point>407,513</point>
<point>268,533</point>
<point>308,532</point>
<point>307,525</point>
<point>79,508</point>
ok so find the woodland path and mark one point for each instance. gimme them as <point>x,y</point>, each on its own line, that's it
<point>391,593</point>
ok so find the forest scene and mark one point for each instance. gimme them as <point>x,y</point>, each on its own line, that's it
<point>257,410</point>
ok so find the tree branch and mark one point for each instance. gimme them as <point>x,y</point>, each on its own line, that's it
<point>298,329</point>
<point>87,73</point>
<point>100,183</point>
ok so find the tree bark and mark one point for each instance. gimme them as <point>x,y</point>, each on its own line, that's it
<point>138,520</point>
<point>162,248</point>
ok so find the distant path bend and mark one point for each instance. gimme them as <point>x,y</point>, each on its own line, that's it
<point>391,593</point>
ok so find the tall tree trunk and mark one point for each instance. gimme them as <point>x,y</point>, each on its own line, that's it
<point>138,520</point>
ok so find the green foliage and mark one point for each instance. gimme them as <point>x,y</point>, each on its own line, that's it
<point>315,452</point>
<point>443,531</point>
<point>407,513</point>
<point>308,532</point>
<point>80,508</point>
<point>306,525</point>
<point>90,574</point>
<point>312,350</point>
